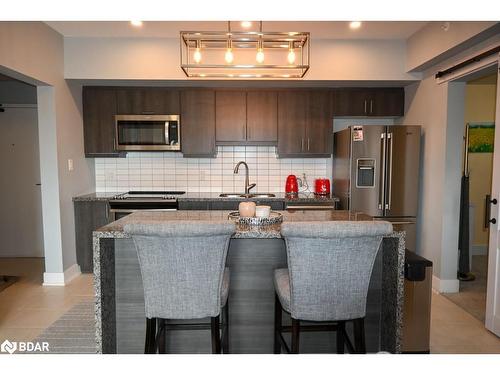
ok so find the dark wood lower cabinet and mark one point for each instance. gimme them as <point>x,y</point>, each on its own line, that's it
<point>89,216</point>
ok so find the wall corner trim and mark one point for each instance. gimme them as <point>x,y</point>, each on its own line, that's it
<point>61,278</point>
<point>445,286</point>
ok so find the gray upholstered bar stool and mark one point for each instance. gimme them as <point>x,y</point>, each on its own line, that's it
<point>184,277</point>
<point>329,270</point>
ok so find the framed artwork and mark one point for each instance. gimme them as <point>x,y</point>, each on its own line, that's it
<point>481,136</point>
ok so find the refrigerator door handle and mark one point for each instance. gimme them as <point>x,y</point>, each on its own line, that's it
<point>389,181</point>
<point>382,172</point>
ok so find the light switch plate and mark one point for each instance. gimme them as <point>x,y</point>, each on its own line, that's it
<point>70,165</point>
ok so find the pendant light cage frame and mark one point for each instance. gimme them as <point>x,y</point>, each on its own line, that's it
<point>244,44</point>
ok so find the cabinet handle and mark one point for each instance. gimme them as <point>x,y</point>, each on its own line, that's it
<point>147,112</point>
<point>365,106</point>
<point>302,144</point>
<point>307,143</point>
<point>244,133</point>
<point>371,106</point>
<point>249,133</point>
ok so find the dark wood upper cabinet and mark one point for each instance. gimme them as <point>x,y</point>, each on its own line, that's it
<point>292,122</point>
<point>262,116</point>
<point>319,130</point>
<point>198,123</point>
<point>361,102</point>
<point>305,123</point>
<point>99,109</point>
<point>388,102</point>
<point>147,101</point>
<point>230,116</point>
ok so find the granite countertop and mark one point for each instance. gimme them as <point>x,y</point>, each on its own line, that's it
<point>115,229</point>
<point>207,196</point>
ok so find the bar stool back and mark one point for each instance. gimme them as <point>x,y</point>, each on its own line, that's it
<point>329,270</point>
<point>184,276</point>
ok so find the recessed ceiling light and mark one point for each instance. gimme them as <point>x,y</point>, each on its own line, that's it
<point>136,23</point>
<point>355,25</point>
<point>246,24</point>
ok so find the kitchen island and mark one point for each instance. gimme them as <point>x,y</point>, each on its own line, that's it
<point>253,255</point>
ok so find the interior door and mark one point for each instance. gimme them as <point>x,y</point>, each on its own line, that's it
<point>492,321</point>
<point>403,160</point>
<point>20,195</point>
<point>367,169</point>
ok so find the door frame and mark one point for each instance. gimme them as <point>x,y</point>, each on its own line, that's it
<point>492,320</point>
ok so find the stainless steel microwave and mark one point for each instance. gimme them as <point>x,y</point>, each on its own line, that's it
<point>148,132</point>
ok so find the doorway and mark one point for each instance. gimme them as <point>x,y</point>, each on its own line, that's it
<point>21,230</point>
<point>479,124</point>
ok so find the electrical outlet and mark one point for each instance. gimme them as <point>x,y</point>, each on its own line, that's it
<point>202,176</point>
<point>70,165</point>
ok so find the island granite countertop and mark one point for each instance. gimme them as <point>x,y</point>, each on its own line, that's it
<point>115,229</point>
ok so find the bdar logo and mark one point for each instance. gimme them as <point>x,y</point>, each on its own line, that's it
<point>9,347</point>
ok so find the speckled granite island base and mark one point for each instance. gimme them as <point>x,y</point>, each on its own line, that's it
<point>253,255</point>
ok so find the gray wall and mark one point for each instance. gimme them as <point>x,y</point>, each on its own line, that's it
<point>34,53</point>
<point>438,108</point>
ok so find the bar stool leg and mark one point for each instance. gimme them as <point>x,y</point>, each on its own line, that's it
<point>162,337</point>
<point>277,325</point>
<point>359,335</point>
<point>340,337</point>
<point>225,338</point>
<point>149,347</point>
<point>295,335</point>
<point>215,335</point>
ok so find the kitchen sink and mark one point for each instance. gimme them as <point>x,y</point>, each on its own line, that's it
<point>256,195</point>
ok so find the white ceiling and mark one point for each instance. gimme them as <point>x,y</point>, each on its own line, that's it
<point>171,29</point>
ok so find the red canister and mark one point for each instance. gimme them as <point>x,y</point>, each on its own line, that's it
<point>322,186</point>
<point>291,186</point>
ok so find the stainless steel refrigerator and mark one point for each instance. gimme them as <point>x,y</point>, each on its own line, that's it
<point>376,171</point>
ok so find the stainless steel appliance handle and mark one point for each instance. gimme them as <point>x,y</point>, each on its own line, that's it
<point>390,140</point>
<point>167,142</point>
<point>382,172</point>
<point>310,208</point>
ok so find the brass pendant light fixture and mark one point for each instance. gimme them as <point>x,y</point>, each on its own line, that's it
<point>228,54</point>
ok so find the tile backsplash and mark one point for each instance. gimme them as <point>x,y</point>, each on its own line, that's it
<point>170,171</point>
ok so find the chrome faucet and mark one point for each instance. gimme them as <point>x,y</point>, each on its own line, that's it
<point>248,185</point>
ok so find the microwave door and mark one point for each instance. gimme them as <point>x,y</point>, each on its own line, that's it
<point>367,169</point>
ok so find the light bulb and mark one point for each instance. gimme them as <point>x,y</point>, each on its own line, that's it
<point>229,56</point>
<point>246,24</point>
<point>260,56</point>
<point>291,56</point>
<point>355,25</point>
<point>136,23</point>
<point>197,56</point>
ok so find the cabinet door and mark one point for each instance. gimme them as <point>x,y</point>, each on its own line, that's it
<point>198,123</point>
<point>319,131</point>
<point>89,216</point>
<point>292,122</point>
<point>387,102</point>
<point>262,116</point>
<point>147,101</point>
<point>351,102</point>
<point>230,116</point>
<point>99,109</point>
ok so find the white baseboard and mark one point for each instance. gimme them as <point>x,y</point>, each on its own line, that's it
<point>61,278</point>
<point>445,286</point>
<point>479,249</point>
